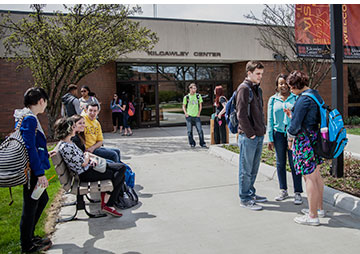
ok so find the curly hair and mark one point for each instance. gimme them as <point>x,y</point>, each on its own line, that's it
<point>297,79</point>
<point>63,127</point>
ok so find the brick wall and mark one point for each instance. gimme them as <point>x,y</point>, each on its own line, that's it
<point>272,69</point>
<point>14,83</point>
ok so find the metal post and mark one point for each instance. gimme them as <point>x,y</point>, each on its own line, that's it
<point>337,54</point>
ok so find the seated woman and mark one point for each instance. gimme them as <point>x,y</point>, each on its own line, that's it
<point>83,165</point>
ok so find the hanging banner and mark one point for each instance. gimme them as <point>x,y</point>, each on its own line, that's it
<point>312,30</point>
<point>351,30</point>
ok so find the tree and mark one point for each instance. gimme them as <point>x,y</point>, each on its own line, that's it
<point>61,49</point>
<point>277,33</point>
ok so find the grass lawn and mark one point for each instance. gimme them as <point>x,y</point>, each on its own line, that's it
<point>10,215</point>
<point>354,131</point>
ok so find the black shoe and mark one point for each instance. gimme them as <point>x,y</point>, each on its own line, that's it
<point>37,248</point>
<point>37,240</point>
<point>204,146</point>
<point>192,145</point>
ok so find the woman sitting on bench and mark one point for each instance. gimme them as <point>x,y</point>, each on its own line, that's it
<point>81,164</point>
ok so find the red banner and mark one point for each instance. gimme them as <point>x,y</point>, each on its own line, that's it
<point>312,30</point>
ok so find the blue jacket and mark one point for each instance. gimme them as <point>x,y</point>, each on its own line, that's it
<point>305,114</point>
<point>35,145</point>
<point>277,119</point>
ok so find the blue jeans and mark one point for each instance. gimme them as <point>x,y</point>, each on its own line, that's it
<point>190,122</point>
<point>281,148</point>
<point>249,162</point>
<point>110,154</point>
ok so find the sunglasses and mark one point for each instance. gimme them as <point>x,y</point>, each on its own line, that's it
<point>83,91</point>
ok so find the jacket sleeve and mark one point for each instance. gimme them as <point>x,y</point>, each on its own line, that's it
<point>112,105</point>
<point>28,127</point>
<point>76,104</point>
<point>242,101</point>
<point>270,119</point>
<point>298,114</point>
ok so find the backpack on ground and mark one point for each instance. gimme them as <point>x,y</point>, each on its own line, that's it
<point>332,144</point>
<point>128,199</point>
<point>14,161</point>
<point>129,176</point>
<point>131,110</point>
<point>230,110</point>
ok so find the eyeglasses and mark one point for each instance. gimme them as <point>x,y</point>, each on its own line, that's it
<point>83,91</point>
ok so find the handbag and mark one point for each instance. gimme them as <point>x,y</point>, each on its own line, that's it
<point>14,161</point>
<point>100,163</point>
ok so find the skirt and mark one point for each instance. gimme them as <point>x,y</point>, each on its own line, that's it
<point>304,156</point>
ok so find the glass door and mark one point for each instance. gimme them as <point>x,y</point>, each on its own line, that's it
<point>147,104</point>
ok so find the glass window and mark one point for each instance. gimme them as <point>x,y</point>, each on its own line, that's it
<point>171,72</point>
<point>144,72</point>
<point>212,72</point>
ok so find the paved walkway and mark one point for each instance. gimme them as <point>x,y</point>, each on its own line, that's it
<point>189,204</point>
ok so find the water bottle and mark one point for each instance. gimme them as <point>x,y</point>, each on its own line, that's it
<point>325,133</point>
<point>38,191</point>
<point>325,139</point>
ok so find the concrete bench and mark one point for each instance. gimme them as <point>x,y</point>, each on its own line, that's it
<point>71,184</point>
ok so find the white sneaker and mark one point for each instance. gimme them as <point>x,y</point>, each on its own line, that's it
<point>298,199</point>
<point>306,220</point>
<point>321,213</point>
<point>251,204</point>
<point>282,195</point>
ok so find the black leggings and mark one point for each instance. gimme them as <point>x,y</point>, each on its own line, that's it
<point>114,171</point>
<point>117,117</point>
<point>31,213</point>
<point>220,130</point>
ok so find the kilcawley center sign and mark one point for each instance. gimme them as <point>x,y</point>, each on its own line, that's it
<point>184,53</point>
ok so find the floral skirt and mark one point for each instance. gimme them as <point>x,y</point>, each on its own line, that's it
<point>304,156</point>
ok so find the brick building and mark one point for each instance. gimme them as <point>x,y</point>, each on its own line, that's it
<point>204,52</point>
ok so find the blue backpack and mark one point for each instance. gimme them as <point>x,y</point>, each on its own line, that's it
<point>230,110</point>
<point>332,147</point>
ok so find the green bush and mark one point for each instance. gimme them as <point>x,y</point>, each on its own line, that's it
<point>352,120</point>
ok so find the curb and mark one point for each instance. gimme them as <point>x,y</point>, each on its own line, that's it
<point>335,198</point>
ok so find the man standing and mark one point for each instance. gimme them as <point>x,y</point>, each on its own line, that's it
<point>94,136</point>
<point>70,102</point>
<point>249,110</point>
<point>192,106</point>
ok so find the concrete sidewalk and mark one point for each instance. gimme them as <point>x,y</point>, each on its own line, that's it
<point>189,204</point>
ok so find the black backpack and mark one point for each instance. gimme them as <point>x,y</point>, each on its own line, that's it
<point>128,199</point>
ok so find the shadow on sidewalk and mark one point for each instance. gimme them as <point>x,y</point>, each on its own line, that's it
<point>334,220</point>
<point>99,226</point>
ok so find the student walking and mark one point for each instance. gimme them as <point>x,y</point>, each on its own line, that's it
<point>277,124</point>
<point>249,110</point>
<point>302,135</point>
<point>192,106</point>
<point>117,115</point>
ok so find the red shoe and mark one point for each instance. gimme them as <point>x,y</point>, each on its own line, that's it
<point>111,211</point>
<point>102,200</point>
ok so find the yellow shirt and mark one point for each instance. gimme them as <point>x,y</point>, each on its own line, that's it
<point>93,132</point>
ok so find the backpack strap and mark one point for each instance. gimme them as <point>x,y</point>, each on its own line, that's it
<point>324,119</point>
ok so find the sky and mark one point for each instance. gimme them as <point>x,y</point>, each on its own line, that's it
<point>186,9</point>
<point>215,12</point>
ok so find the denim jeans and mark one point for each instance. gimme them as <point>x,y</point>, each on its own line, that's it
<point>249,162</point>
<point>110,154</point>
<point>190,122</point>
<point>281,148</point>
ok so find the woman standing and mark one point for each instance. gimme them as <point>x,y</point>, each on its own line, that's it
<point>35,101</point>
<point>83,165</point>
<point>87,97</point>
<point>302,135</point>
<point>117,116</point>
<point>277,123</point>
<point>125,108</point>
<point>220,122</point>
